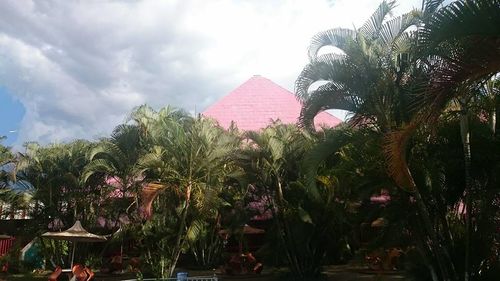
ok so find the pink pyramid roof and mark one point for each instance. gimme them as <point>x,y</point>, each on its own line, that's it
<point>258,101</point>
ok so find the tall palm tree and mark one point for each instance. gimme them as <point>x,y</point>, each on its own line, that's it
<point>35,164</point>
<point>190,156</point>
<point>368,77</point>
<point>460,47</point>
<point>116,159</point>
<point>271,160</point>
<point>7,178</point>
<point>55,173</point>
<point>374,78</point>
<point>490,101</point>
<point>7,173</point>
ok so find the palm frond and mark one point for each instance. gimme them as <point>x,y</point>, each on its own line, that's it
<point>154,161</point>
<point>461,19</point>
<point>106,148</point>
<point>329,69</point>
<point>394,28</point>
<point>471,64</point>
<point>431,6</point>
<point>276,148</point>
<point>15,198</point>
<point>337,37</point>
<point>372,27</point>
<point>395,152</point>
<point>127,138</point>
<point>195,230</point>
<point>142,113</point>
<point>317,156</point>
<point>207,201</point>
<point>330,58</point>
<point>461,46</point>
<point>328,96</point>
<point>403,43</point>
<point>97,166</point>
<point>148,195</point>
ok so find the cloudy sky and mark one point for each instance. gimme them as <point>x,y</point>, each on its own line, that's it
<point>75,69</point>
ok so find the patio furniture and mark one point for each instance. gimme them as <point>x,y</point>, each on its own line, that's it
<point>90,274</point>
<point>242,264</point>
<point>81,273</point>
<point>75,234</point>
<point>54,275</point>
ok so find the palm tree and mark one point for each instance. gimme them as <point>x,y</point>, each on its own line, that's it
<point>369,77</point>
<point>374,78</point>
<point>55,172</point>
<point>7,174</point>
<point>7,178</point>
<point>190,156</point>
<point>460,46</point>
<point>490,101</point>
<point>271,160</point>
<point>116,159</point>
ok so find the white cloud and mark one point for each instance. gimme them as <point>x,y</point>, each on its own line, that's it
<point>80,67</point>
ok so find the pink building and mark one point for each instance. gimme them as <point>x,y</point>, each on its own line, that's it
<point>259,101</point>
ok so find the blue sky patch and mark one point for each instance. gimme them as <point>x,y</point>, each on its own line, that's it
<point>11,114</point>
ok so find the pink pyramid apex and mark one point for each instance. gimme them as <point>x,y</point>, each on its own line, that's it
<point>259,101</point>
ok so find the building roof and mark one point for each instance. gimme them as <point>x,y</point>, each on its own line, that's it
<point>259,101</point>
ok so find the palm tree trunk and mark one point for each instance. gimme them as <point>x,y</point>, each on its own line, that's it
<point>428,263</point>
<point>496,114</point>
<point>441,210</point>
<point>492,121</point>
<point>445,231</point>
<point>491,88</point>
<point>50,196</point>
<point>182,226</point>
<point>286,235</point>
<point>465,133</point>
<point>435,246</point>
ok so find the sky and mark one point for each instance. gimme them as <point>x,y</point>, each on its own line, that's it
<point>11,113</point>
<point>75,69</point>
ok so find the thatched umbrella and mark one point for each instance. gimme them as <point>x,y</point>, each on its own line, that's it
<point>75,234</point>
<point>244,230</point>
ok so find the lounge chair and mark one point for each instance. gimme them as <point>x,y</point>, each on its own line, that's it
<point>90,274</point>
<point>54,275</point>
<point>79,273</point>
<point>257,269</point>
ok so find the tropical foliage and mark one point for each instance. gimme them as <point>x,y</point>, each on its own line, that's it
<point>413,172</point>
<point>413,77</point>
